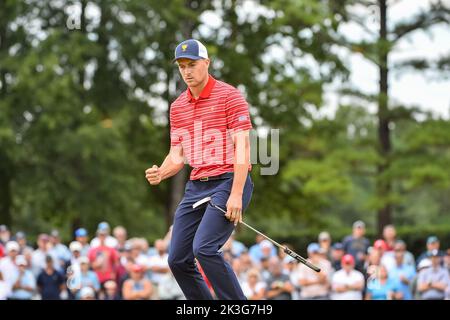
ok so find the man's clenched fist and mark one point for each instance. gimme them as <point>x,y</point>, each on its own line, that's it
<point>153,175</point>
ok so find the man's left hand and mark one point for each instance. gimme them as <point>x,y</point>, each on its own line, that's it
<point>234,208</point>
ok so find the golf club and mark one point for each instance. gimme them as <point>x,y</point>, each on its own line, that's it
<point>288,251</point>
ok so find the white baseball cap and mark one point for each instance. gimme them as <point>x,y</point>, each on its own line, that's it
<point>12,246</point>
<point>75,246</point>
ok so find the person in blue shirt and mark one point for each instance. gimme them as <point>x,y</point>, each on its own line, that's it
<point>25,285</point>
<point>357,244</point>
<point>83,278</point>
<point>403,273</point>
<point>381,287</point>
<point>433,243</point>
<point>262,248</point>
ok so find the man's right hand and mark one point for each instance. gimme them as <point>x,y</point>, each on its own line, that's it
<point>153,175</point>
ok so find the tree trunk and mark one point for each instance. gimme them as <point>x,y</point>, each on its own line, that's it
<point>5,189</point>
<point>6,165</point>
<point>383,183</point>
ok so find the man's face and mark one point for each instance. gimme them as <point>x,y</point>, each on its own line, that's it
<point>433,246</point>
<point>358,232</point>
<point>193,72</point>
<point>399,254</point>
<point>337,254</point>
<point>348,266</point>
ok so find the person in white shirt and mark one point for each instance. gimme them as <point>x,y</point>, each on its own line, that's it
<point>347,283</point>
<point>158,263</point>
<point>5,288</point>
<point>314,286</point>
<point>8,265</point>
<point>109,241</point>
<point>254,288</point>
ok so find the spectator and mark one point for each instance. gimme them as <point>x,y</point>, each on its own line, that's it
<point>85,278</point>
<point>246,261</point>
<point>81,235</point>
<point>433,281</point>
<point>279,286</point>
<point>290,268</point>
<point>386,258</point>
<point>253,287</point>
<point>5,234</point>
<point>337,252</point>
<point>347,283</point>
<point>137,287</point>
<point>424,264</point>
<point>111,291</point>
<point>289,264</point>
<point>433,243</point>
<point>38,262</point>
<point>256,251</point>
<point>21,239</point>
<point>61,252</point>
<point>8,265</point>
<point>447,260</point>
<point>267,250</point>
<point>5,288</point>
<point>158,264</point>
<point>235,247</point>
<point>389,237</point>
<point>104,259</point>
<point>408,257</point>
<point>402,272</point>
<point>25,285</point>
<point>169,289</point>
<point>75,248</point>
<point>357,245</point>
<point>264,267</point>
<point>121,235</point>
<point>325,244</point>
<point>87,293</point>
<point>50,281</point>
<point>373,261</point>
<point>381,287</point>
<point>104,229</point>
<point>314,285</point>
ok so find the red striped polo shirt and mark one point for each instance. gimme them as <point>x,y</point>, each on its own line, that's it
<point>203,127</point>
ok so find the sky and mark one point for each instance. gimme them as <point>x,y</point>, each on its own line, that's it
<point>411,88</point>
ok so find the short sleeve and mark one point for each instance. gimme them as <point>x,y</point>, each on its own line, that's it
<point>237,112</point>
<point>175,136</point>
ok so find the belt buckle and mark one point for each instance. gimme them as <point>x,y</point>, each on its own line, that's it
<point>204,179</point>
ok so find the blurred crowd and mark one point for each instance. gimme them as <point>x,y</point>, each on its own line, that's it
<point>112,266</point>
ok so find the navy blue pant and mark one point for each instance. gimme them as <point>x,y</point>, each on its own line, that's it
<point>200,233</point>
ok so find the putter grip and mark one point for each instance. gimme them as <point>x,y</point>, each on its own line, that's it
<point>301,259</point>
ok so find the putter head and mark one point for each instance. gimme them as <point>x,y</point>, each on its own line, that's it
<point>201,202</point>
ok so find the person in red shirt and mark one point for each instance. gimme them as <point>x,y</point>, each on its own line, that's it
<point>209,127</point>
<point>104,259</point>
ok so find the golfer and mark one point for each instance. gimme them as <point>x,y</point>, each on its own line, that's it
<point>209,127</point>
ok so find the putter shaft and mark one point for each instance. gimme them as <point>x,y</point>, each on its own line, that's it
<point>285,249</point>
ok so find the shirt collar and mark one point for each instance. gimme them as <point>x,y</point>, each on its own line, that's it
<point>206,92</point>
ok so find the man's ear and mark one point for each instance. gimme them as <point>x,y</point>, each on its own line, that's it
<point>207,61</point>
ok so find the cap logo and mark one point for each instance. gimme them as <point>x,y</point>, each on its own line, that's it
<point>184,47</point>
